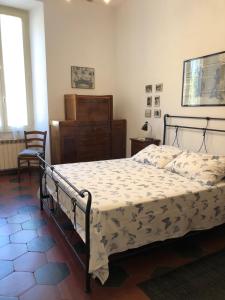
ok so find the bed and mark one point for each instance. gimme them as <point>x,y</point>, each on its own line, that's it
<point>123,204</point>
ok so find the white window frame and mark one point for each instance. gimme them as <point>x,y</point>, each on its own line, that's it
<point>24,15</point>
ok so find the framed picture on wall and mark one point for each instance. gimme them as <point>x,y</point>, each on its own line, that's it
<point>148,113</point>
<point>204,81</point>
<point>159,87</point>
<point>82,77</point>
<point>148,88</point>
<point>157,101</point>
<point>149,101</point>
<point>157,113</point>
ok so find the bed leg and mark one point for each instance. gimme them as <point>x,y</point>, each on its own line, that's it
<point>87,283</point>
<point>40,184</point>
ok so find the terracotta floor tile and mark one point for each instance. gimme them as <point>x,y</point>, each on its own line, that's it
<point>9,229</point>
<point>56,254</point>
<point>3,221</point>
<point>8,298</point>
<point>23,236</point>
<point>30,262</point>
<point>41,244</point>
<point>42,292</point>
<point>6,267</point>
<point>4,239</point>
<point>52,273</point>
<point>16,284</point>
<point>19,218</point>
<point>12,251</point>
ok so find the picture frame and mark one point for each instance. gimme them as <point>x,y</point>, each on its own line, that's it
<point>159,87</point>
<point>148,88</point>
<point>204,81</point>
<point>157,113</point>
<point>149,101</point>
<point>157,101</point>
<point>82,77</point>
<point>148,113</point>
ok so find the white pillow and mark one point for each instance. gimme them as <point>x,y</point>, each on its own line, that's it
<point>158,156</point>
<point>205,168</point>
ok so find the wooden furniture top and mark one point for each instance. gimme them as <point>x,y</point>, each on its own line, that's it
<point>88,107</point>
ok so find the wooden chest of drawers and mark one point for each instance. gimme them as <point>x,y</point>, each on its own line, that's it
<point>74,141</point>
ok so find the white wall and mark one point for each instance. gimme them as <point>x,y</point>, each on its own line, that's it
<point>153,38</point>
<point>38,60</point>
<point>78,33</point>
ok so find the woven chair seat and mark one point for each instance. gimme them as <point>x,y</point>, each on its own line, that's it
<point>30,152</point>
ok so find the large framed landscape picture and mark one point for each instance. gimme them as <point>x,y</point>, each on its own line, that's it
<point>204,81</point>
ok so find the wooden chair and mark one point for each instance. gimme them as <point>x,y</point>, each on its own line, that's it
<point>35,141</point>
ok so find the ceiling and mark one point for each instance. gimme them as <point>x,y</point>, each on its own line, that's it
<point>112,2</point>
<point>29,4</point>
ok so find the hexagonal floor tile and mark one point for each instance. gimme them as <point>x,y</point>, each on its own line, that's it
<point>6,213</point>
<point>34,224</point>
<point>52,273</point>
<point>41,292</point>
<point>4,239</point>
<point>2,221</point>
<point>24,197</point>
<point>8,298</point>
<point>28,209</point>
<point>41,244</point>
<point>16,284</point>
<point>19,218</point>
<point>21,188</point>
<point>23,236</point>
<point>30,261</point>
<point>6,267</point>
<point>9,229</point>
<point>16,180</point>
<point>12,251</point>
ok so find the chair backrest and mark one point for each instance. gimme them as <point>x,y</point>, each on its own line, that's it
<point>35,139</point>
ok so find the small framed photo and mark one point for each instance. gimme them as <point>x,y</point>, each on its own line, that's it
<point>157,101</point>
<point>159,87</point>
<point>149,101</point>
<point>157,113</point>
<point>148,88</point>
<point>148,113</point>
<point>82,77</point>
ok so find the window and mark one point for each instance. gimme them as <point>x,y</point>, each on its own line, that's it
<point>15,96</point>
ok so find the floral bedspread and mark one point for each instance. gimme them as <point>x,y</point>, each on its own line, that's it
<point>135,204</point>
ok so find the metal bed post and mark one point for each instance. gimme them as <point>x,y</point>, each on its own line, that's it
<point>164,128</point>
<point>41,172</point>
<point>75,201</point>
<point>87,241</point>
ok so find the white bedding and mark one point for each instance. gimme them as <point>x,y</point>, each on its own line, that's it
<point>136,204</point>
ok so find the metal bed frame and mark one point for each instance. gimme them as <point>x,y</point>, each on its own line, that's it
<point>86,195</point>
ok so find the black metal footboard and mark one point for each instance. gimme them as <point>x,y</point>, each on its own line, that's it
<point>57,179</point>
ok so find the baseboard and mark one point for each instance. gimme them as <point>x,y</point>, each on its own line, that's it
<point>8,171</point>
<point>15,171</point>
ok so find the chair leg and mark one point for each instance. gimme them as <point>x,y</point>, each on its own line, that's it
<point>29,169</point>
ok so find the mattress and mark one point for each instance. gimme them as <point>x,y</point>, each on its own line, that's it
<point>134,204</point>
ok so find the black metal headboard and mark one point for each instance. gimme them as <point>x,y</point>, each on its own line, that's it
<point>177,127</point>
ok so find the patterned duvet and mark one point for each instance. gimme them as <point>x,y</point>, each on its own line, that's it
<point>135,204</point>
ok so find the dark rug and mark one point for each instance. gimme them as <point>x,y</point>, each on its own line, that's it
<point>203,279</point>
